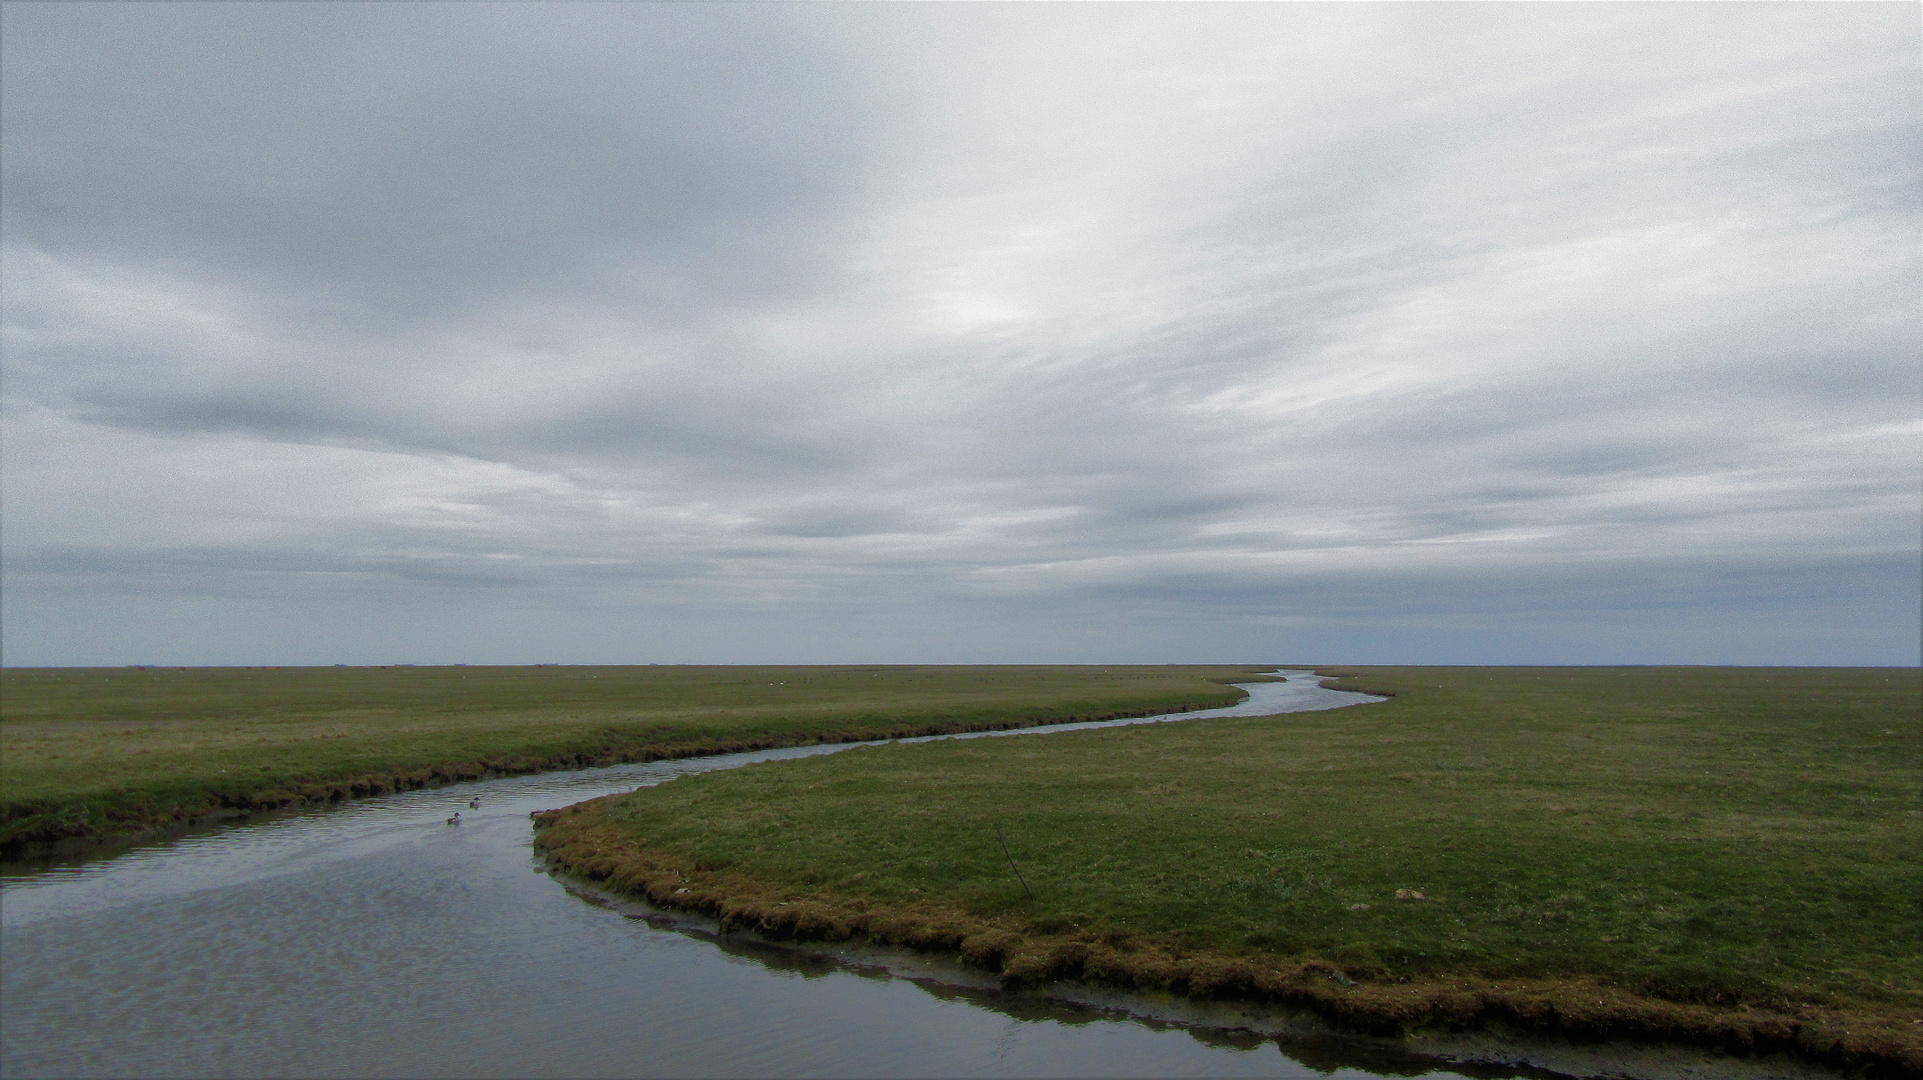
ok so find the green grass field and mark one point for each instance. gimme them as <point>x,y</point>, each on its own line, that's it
<point>1731,837</point>
<point>86,752</point>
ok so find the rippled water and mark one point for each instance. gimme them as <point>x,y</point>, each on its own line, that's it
<point>370,939</point>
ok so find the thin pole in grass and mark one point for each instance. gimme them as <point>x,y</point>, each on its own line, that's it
<point>1011,861</point>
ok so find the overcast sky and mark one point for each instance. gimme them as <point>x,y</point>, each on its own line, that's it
<point>966,333</point>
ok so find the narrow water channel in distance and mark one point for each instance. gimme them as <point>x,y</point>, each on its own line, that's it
<point>370,939</point>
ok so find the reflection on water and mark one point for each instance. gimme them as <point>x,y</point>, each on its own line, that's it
<point>371,939</point>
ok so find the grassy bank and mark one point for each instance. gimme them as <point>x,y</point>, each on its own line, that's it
<point>91,752</point>
<point>1719,854</point>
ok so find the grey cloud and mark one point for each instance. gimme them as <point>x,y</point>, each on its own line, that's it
<point>397,159</point>
<point>1302,319</point>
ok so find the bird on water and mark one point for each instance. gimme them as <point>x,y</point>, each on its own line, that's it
<point>456,819</point>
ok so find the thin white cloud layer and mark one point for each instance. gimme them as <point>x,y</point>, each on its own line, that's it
<point>1459,333</point>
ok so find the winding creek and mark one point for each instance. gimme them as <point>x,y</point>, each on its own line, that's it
<point>368,939</point>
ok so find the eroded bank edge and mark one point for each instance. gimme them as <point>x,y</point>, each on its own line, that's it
<point>1846,1037</point>
<point>30,830</point>
<point>1304,1037</point>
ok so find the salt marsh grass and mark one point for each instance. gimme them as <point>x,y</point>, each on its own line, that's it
<point>90,751</point>
<point>1726,837</point>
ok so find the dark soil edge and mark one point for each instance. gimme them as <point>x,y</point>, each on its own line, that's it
<point>1850,1037</point>
<point>1345,681</point>
<point>46,828</point>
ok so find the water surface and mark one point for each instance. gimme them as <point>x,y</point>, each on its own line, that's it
<point>370,939</point>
